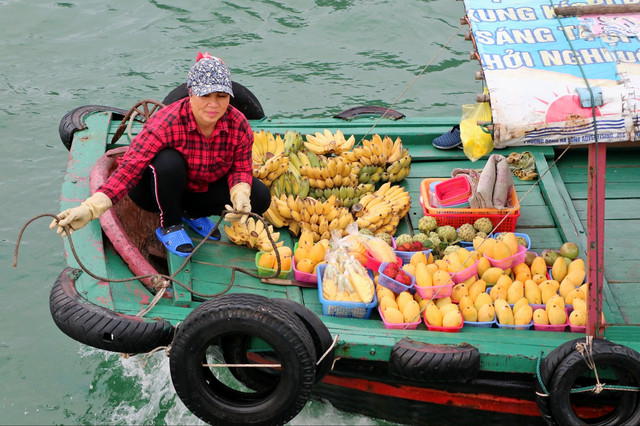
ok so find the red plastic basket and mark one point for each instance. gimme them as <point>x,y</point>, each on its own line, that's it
<point>458,217</point>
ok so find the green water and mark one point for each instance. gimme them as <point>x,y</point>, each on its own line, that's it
<point>302,59</point>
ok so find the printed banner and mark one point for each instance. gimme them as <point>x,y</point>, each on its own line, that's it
<point>551,77</point>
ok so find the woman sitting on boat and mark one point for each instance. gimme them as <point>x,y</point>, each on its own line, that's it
<point>191,160</point>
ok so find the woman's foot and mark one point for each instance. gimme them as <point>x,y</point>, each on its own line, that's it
<point>175,239</point>
<point>203,226</point>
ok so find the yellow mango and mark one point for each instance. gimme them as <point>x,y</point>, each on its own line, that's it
<point>499,303</point>
<point>505,315</point>
<point>557,315</point>
<point>522,276</point>
<point>464,302</point>
<point>576,264</point>
<point>498,292</point>
<point>482,299</point>
<point>453,263</point>
<point>578,318</point>
<point>486,313</point>
<point>523,316</point>
<point>519,304</point>
<point>452,319</point>
<point>538,266</point>
<point>433,316</point>
<point>423,276</point>
<point>483,265</point>
<point>469,313</point>
<point>487,248</point>
<point>411,311</point>
<point>555,301</point>
<point>407,267</point>
<point>441,277</point>
<point>479,286</point>
<point>547,291</point>
<point>472,279</point>
<point>579,304</point>
<point>443,301</point>
<point>538,278</point>
<point>566,287</point>
<point>477,242</point>
<point>559,269</point>
<point>521,268</point>
<point>515,292</point>
<point>418,257</point>
<point>458,291</point>
<point>393,316</point>
<point>511,241</point>
<point>532,292</point>
<point>501,251</point>
<point>540,317</point>
<point>432,268</point>
<point>386,302</point>
<point>402,299</point>
<point>442,264</point>
<point>505,281</point>
<point>577,276</point>
<point>444,310</point>
<point>491,275</point>
<point>382,291</point>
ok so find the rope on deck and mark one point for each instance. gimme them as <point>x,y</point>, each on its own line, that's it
<point>160,282</point>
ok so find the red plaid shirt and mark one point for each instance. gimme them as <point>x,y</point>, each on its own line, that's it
<point>226,153</point>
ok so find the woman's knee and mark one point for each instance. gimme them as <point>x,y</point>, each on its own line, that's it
<point>170,162</point>
<point>260,196</point>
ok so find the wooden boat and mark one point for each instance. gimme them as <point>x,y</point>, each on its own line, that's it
<point>402,375</point>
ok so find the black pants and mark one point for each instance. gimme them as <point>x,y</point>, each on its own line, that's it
<point>163,189</point>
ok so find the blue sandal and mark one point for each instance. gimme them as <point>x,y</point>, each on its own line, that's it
<point>449,140</point>
<point>203,226</point>
<point>175,239</point>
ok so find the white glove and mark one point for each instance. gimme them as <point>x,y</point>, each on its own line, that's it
<point>77,217</point>
<point>240,198</point>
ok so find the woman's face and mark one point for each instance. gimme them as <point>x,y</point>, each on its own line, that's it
<point>209,108</point>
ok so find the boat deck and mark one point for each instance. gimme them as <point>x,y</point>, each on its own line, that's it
<point>552,212</point>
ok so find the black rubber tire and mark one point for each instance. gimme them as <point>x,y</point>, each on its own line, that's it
<point>73,121</point>
<point>237,314</point>
<point>243,99</point>
<point>102,328</point>
<point>429,362</point>
<point>547,367</point>
<point>368,111</point>
<point>235,349</point>
<point>626,364</point>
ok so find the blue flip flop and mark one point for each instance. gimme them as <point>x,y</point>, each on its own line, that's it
<point>202,226</point>
<point>449,140</point>
<point>175,239</point>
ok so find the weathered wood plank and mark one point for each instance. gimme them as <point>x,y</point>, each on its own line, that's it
<point>614,209</point>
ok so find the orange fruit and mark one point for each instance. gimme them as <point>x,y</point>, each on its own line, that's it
<point>285,263</point>
<point>316,253</point>
<point>305,265</point>
<point>284,251</point>
<point>301,253</point>
<point>267,260</point>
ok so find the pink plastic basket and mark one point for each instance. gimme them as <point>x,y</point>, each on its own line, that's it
<point>443,329</point>
<point>453,191</point>
<point>465,274</point>
<point>510,261</point>
<point>400,326</point>
<point>435,292</point>
<point>303,276</point>
<point>374,264</point>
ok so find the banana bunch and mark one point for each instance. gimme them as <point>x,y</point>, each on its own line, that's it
<point>265,146</point>
<point>305,158</point>
<point>377,151</point>
<point>399,169</point>
<point>320,218</point>
<point>329,143</point>
<point>252,234</point>
<point>370,174</point>
<point>346,196</point>
<point>335,172</point>
<point>271,169</point>
<point>290,183</point>
<point>292,142</point>
<point>381,211</point>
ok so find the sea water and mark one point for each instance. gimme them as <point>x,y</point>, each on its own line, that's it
<point>302,59</point>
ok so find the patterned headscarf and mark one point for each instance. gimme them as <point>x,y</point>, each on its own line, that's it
<point>208,75</point>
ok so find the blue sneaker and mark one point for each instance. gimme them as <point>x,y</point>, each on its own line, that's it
<point>176,240</point>
<point>202,226</point>
<point>449,140</point>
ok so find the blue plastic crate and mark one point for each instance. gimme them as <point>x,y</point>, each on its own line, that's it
<point>344,309</point>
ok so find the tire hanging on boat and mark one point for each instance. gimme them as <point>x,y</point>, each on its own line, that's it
<point>548,367</point>
<point>235,349</point>
<point>243,99</point>
<point>608,359</point>
<point>102,328</point>
<point>73,121</point>
<point>209,395</point>
<point>430,362</point>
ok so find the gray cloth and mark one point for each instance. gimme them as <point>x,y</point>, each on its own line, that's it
<point>494,185</point>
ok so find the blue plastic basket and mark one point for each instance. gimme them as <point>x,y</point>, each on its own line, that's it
<point>393,285</point>
<point>344,309</point>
